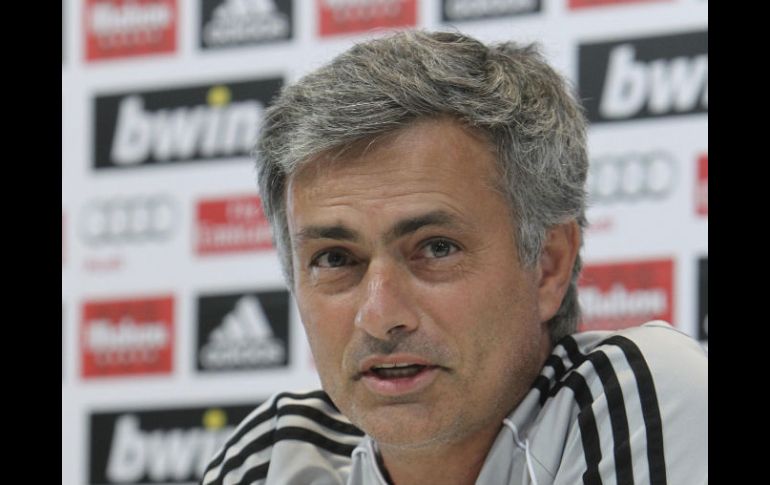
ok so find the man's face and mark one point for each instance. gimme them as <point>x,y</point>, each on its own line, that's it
<point>424,326</point>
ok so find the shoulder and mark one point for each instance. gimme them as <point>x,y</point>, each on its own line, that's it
<point>654,350</point>
<point>652,362</point>
<point>658,364</point>
<point>267,442</point>
<point>639,401</point>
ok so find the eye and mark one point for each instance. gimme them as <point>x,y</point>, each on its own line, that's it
<point>439,248</point>
<point>331,259</point>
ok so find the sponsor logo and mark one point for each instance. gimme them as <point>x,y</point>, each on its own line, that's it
<point>180,125</point>
<point>243,331</point>
<point>232,225</point>
<point>621,295</point>
<point>125,28</point>
<point>158,446</point>
<point>645,77</point>
<point>227,23</point>
<point>348,16</point>
<point>574,4</point>
<point>631,177</point>
<point>127,337</point>
<point>703,301</point>
<point>128,220</point>
<point>453,10</point>
<point>702,187</point>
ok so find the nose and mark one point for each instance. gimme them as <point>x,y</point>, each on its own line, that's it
<point>386,307</point>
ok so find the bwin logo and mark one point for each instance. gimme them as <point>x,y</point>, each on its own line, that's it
<point>243,339</point>
<point>179,125</point>
<point>219,129</point>
<point>647,77</point>
<point>162,455</point>
<point>663,86</point>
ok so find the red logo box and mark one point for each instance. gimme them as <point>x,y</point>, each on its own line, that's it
<point>127,337</point>
<point>621,295</point>
<point>230,225</point>
<point>702,187</point>
<point>125,28</point>
<point>348,16</point>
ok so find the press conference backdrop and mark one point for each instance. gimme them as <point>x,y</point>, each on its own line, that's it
<point>175,320</point>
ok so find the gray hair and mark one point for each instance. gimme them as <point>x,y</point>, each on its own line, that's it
<point>506,91</point>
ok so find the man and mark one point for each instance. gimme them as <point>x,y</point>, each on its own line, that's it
<point>427,198</point>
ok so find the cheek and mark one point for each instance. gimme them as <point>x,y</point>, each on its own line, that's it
<point>505,328</point>
<point>327,332</point>
<point>323,352</point>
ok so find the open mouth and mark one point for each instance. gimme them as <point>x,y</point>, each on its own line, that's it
<point>394,380</point>
<point>396,371</point>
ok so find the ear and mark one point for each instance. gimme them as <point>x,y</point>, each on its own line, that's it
<point>555,267</point>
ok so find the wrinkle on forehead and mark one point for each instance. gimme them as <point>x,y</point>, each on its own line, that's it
<point>360,156</point>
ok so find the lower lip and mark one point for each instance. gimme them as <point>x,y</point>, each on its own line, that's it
<point>402,385</point>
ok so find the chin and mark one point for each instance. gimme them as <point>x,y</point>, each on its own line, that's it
<point>409,439</point>
<point>406,427</point>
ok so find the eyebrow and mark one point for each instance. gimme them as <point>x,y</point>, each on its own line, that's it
<point>399,229</point>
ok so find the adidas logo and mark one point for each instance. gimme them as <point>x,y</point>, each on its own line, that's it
<point>238,21</point>
<point>469,9</point>
<point>243,339</point>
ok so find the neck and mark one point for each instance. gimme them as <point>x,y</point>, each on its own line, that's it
<point>456,463</point>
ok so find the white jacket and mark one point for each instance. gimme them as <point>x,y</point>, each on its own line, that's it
<point>626,407</point>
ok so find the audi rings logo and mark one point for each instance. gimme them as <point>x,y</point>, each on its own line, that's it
<point>127,220</point>
<point>631,177</point>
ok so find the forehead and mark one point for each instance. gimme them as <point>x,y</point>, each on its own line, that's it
<point>427,154</point>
